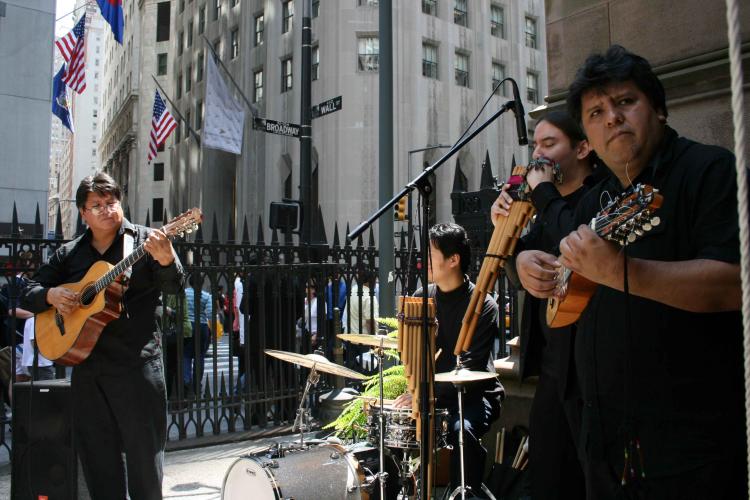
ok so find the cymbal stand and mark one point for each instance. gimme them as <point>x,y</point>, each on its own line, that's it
<point>382,474</point>
<point>463,488</point>
<point>303,414</point>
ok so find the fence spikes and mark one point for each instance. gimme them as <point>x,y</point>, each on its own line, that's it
<point>127,213</point>
<point>336,241</point>
<point>215,230</point>
<point>348,242</point>
<point>245,231</point>
<point>230,229</point>
<point>38,224</point>
<point>459,179</point>
<point>319,229</point>
<point>371,240</point>
<point>148,218</point>
<point>488,180</point>
<point>260,241</point>
<point>199,234</point>
<point>164,217</point>
<point>80,228</point>
<point>58,225</point>
<point>15,230</point>
<point>275,237</point>
<point>402,245</point>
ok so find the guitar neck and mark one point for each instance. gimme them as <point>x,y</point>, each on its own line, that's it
<point>120,268</point>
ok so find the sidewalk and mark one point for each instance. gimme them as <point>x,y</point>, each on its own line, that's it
<point>195,474</point>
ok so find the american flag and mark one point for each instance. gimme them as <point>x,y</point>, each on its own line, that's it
<point>162,125</point>
<point>73,50</point>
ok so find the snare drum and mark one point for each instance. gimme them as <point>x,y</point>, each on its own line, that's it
<point>400,430</point>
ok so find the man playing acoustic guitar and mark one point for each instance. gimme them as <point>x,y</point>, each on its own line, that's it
<point>119,396</point>
<point>659,346</point>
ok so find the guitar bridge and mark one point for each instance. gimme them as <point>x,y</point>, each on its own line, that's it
<point>60,322</point>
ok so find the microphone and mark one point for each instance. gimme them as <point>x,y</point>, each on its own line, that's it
<point>518,111</point>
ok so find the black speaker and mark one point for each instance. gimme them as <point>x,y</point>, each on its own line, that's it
<point>44,463</point>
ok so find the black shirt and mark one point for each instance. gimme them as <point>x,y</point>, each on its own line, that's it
<point>685,377</point>
<point>451,307</point>
<point>132,338</point>
<point>546,350</point>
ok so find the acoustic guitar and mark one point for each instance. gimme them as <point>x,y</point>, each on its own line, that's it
<point>623,220</point>
<point>68,339</point>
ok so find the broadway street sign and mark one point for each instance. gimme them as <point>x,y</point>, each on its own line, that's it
<point>327,107</point>
<point>274,127</point>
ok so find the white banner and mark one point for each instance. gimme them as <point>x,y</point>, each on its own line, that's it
<point>225,116</point>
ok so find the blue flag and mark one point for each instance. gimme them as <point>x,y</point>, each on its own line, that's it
<point>60,100</point>
<point>112,12</point>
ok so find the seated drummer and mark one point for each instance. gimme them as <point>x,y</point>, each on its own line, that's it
<point>449,261</point>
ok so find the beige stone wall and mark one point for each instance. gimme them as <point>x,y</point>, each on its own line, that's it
<point>685,41</point>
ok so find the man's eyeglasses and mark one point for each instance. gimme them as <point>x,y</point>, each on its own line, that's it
<point>109,207</point>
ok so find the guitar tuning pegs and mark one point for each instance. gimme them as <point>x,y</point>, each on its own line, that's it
<point>655,221</point>
<point>647,226</point>
<point>631,237</point>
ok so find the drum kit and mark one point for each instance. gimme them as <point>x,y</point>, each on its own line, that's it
<point>325,469</point>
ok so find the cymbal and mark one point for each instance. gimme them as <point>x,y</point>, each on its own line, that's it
<point>463,376</point>
<point>320,363</point>
<point>370,340</point>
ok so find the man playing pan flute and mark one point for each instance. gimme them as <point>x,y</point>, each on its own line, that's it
<point>449,261</point>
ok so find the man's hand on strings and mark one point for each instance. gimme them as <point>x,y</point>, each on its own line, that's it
<point>538,272</point>
<point>62,299</point>
<point>160,248</point>
<point>594,258</point>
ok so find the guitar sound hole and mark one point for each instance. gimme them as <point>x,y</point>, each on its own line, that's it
<point>87,295</point>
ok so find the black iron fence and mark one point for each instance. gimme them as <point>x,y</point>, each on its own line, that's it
<point>276,295</point>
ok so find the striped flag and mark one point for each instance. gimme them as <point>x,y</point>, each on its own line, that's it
<point>162,124</point>
<point>73,50</point>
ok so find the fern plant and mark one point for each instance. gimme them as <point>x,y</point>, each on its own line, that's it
<point>352,422</point>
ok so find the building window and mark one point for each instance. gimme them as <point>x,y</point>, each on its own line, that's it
<point>530,32</point>
<point>160,148</point>
<point>217,9</point>
<point>259,30</point>
<point>235,40</point>
<point>217,47</point>
<point>199,69</point>
<point>201,20</point>
<point>497,21</point>
<point>460,13</point>
<point>179,86</point>
<point>429,60</point>
<point>234,2</point>
<point>462,70</point>
<point>199,115</point>
<point>162,22</point>
<point>498,75</point>
<point>315,8</point>
<point>189,79</point>
<point>178,131</point>
<point>190,34</point>
<point>368,51</point>
<point>188,118</point>
<point>315,61</point>
<point>286,74</point>
<point>182,5</point>
<point>258,86</point>
<point>157,210</point>
<point>161,64</point>
<point>180,41</point>
<point>158,171</point>
<point>287,13</point>
<point>532,88</point>
<point>429,7</point>
<point>369,3</point>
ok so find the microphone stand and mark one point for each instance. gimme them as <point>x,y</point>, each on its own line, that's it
<point>422,184</point>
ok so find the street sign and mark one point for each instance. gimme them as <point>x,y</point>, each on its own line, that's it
<point>327,107</point>
<point>274,127</point>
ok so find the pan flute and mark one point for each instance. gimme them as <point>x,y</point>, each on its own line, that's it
<point>411,347</point>
<point>501,246</point>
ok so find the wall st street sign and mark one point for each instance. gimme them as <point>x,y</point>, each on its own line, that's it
<point>327,107</point>
<point>274,127</point>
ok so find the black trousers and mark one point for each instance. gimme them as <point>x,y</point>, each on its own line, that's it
<point>720,480</point>
<point>120,428</point>
<point>554,468</point>
<point>478,416</point>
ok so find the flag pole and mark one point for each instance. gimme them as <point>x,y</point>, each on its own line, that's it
<point>250,106</point>
<point>177,110</point>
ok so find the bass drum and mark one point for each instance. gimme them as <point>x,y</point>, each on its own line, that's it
<point>326,472</point>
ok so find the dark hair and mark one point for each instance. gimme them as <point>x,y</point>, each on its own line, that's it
<point>616,65</point>
<point>101,184</point>
<point>566,124</point>
<point>451,239</point>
